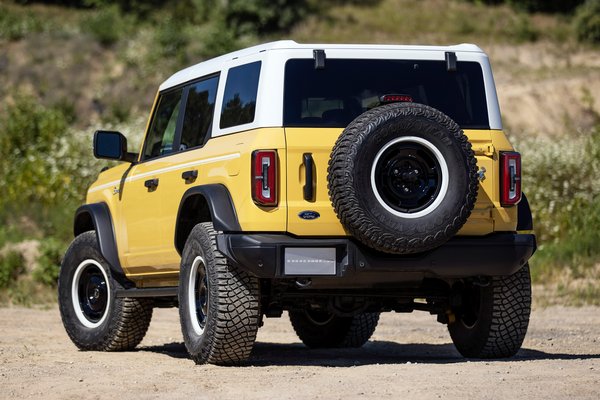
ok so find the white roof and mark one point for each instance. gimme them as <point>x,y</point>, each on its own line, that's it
<point>217,64</point>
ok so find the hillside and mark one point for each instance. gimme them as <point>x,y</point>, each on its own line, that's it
<point>58,56</point>
<point>66,71</point>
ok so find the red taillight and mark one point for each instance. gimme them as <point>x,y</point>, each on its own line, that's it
<point>510,178</point>
<point>264,177</point>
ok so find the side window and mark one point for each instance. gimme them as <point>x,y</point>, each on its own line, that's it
<point>239,101</point>
<point>199,112</point>
<point>161,135</point>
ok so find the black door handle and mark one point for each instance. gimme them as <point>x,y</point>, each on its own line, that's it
<point>309,188</point>
<point>151,184</point>
<point>189,176</point>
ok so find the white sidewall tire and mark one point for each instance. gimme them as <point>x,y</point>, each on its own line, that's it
<point>75,294</point>
<point>199,330</point>
<point>443,166</point>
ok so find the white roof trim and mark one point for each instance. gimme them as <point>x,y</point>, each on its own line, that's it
<point>219,63</point>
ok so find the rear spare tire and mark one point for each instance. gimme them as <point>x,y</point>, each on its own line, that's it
<point>403,178</point>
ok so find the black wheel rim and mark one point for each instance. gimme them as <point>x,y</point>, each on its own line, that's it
<point>201,295</point>
<point>408,177</point>
<point>319,317</point>
<point>92,291</point>
<point>471,307</point>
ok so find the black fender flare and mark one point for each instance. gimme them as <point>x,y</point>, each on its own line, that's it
<point>97,217</point>
<point>524,216</point>
<point>221,208</point>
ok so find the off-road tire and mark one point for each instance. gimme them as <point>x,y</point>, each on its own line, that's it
<point>126,319</point>
<point>232,306</point>
<point>336,332</point>
<point>502,320</point>
<point>355,199</point>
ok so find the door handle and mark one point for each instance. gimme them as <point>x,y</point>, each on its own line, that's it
<point>189,176</point>
<point>309,188</point>
<point>151,184</point>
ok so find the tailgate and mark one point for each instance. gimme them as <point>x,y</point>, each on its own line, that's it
<point>317,142</point>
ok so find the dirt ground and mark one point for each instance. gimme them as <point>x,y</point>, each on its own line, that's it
<point>409,356</point>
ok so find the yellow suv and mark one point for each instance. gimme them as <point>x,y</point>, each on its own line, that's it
<point>333,182</point>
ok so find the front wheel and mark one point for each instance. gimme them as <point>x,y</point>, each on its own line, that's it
<point>218,303</point>
<point>493,319</point>
<point>94,318</point>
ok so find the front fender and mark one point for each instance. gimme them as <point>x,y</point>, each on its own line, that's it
<point>97,217</point>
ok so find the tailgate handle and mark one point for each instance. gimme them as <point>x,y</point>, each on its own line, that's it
<point>151,184</point>
<point>309,188</point>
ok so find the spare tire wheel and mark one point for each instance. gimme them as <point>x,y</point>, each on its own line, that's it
<point>403,178</point>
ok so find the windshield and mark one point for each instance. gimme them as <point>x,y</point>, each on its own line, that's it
<point>344,89</point>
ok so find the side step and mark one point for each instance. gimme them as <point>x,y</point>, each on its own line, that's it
<point>148,292</point>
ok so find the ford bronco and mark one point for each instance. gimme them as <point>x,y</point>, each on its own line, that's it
<point>332,182</point>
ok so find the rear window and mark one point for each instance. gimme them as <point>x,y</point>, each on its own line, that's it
<point>344,89</point>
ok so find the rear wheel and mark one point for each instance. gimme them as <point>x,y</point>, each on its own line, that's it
<point>493,319</point>
<point>321,329</point>
<point>218,303</point>
<point>94,318</point>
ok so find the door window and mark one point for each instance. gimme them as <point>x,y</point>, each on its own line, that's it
<point>161,134</point>
<point>199,112</point>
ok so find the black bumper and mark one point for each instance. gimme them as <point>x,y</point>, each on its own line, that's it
<point>498,254</point>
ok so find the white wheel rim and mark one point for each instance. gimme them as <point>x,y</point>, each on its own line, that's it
<point>198,329</point>
<point>75,294</point>
<point>443,167</point>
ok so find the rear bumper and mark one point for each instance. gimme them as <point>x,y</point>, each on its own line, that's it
<point>498,254</point>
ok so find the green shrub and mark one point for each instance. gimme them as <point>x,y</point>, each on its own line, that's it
<point>45,166</point>
<point>51,253</point>
<point>16,25</point>
<point>587,22</point>
<point>264,16</point>
<point>11,266</point>
<point>560,181</point>
<point>172,39</point>
<point>218,40</point>
<point>557,6</point>
<point>522,29</point>
<point>106,25</point>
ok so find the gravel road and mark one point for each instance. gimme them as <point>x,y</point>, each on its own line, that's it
<point>409,356</point>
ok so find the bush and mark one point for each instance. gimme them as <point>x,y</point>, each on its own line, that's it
<point>51,253</point>
<point>106,25</point>
<point>554,6</point>
<point>16,25</point>
<point>264,16</point>
<point>172,39</point>
<point>11,266</point>
<point>587,22</point>
<point>560,180</point>
<point>218,40</point>
<point>44,175</point>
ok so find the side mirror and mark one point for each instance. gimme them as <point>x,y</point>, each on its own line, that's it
<point>112,145</point>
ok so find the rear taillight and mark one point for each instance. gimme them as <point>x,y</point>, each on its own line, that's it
<point>264,177</point>
<point>510,178</point>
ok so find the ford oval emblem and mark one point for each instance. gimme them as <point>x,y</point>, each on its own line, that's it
<point>309,214</point>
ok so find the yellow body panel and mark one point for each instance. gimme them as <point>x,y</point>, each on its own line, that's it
<point>145,220</point>
<point>487,216</point>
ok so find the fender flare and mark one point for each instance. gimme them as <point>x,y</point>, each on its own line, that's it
<point>221,208</point>
<point>97,217</point>
<point>524,217</point>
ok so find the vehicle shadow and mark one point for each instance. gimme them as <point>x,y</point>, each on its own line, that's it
<point>374,352</point>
